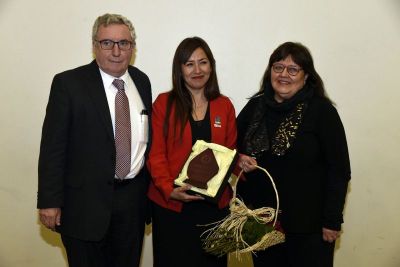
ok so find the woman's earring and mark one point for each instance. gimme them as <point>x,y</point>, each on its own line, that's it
<point>305,79</point>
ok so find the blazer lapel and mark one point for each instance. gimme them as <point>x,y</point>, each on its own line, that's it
<point>144,95</point>
<point>96,90</point>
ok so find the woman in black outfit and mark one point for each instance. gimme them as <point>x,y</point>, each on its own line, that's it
<point>291,128</point>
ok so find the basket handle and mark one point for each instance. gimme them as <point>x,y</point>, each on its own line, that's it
<point>234,186</point>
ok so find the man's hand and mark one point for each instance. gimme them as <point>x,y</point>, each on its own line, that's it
<point>330,235</point>
<point>50,217</point>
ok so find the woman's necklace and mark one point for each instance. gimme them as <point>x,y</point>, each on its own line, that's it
<point>199,111</point>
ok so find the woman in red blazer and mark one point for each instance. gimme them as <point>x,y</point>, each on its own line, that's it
<point>193,110</point>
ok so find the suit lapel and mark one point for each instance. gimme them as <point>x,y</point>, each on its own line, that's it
<point>141,88</point>
<point>96,90</point>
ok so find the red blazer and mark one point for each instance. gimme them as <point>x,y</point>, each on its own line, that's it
<point>168,155</point>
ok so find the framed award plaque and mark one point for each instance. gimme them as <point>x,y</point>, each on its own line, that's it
<point>208,170</point>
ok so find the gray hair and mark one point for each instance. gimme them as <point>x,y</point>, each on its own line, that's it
<point>108,19</point>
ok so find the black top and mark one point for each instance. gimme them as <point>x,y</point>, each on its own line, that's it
<point>201,130</point>
<point>311,177</point>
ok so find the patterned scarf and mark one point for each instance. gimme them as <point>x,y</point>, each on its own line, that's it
<point>256,140</point>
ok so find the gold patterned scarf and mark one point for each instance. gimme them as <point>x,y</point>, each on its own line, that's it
<point>256,139</point>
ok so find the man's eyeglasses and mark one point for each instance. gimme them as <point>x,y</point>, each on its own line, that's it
<point>107,44</point>
<point>292,70</point>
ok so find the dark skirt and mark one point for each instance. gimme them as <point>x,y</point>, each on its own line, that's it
<point>176,236</point>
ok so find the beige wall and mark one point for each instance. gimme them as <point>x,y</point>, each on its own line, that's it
<point>356,46</point>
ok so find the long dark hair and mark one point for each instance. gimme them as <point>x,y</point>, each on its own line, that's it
<point>302,57</point>
<point>179,95</point>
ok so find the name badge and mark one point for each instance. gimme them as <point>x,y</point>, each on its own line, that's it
<point>217,122</point>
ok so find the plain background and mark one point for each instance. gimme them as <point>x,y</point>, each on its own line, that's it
<point>356,48</point>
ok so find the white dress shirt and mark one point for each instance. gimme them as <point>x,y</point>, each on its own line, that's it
<point>139,123</point>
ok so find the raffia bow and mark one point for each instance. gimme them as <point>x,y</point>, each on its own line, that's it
<point>233,233</point>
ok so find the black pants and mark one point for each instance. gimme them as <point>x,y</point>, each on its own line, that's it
<point>122,245</point>
<point>176,236</point>
<point>299,250</point>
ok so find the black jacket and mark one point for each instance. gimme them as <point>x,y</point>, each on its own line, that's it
<point>77,151</point>
<point>312,176</point>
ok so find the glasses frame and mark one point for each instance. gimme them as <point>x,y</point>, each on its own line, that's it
<point>288,68</point>
<point>101,42</point>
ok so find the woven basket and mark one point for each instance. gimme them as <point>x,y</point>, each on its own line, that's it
<point>226,235</point>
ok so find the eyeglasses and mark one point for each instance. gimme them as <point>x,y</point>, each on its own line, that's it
<point>107,44</point>
<point>292,70</point>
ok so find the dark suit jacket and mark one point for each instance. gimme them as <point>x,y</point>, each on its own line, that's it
<point>77,151</point>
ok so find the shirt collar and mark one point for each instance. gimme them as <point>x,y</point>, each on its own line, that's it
<point>108,79</point>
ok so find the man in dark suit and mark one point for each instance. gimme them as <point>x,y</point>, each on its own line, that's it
<point>97,121</point>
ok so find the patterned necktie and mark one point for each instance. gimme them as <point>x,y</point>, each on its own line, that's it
<point>122,131</point>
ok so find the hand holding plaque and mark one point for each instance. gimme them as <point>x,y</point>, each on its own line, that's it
<point>207,169</point>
